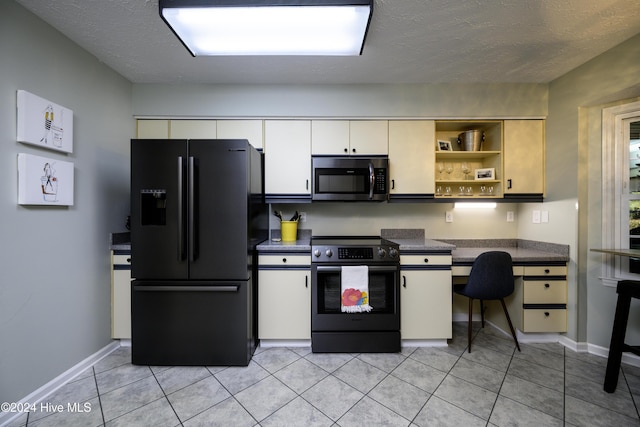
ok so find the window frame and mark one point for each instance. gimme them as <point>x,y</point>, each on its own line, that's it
<point>615,191</point>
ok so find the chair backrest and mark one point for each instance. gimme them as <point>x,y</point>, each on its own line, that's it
<point>491,276</point>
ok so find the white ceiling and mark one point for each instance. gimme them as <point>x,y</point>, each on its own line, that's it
<point>409,41</point>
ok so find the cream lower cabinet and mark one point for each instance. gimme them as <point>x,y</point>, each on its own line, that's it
<point>121,294</point>
<point>425,296</point>
<point>284,297</point>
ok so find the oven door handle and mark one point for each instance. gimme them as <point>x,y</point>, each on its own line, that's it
<point>375,268</point>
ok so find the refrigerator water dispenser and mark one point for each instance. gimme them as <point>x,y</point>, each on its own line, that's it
<point>153,207</point>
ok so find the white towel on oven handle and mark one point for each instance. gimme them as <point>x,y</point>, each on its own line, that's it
<point>355,289</point>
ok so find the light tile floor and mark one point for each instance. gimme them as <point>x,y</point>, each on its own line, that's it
<point>494,385</point>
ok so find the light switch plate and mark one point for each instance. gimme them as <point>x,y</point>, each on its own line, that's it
<point>510,216</point>
<point>535,217</point>
<point>545,216</point>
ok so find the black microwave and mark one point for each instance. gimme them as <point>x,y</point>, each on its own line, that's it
<point>346,178</point>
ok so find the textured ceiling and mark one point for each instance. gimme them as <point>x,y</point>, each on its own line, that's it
<point>409,41</point>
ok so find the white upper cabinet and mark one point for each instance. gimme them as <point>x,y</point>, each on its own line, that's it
<point>350,137</point>
<point>287,157</point>
<point>152,129</point>
<point>242,129</point>
<point>369,137</point>
<point>192,129</point>
<point>330,137</point>
<point>412,157</point>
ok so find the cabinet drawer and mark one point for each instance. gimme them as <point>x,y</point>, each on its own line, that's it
<point>544,320</point>
<point>282,260</point>
<point>545,291</point>
<point>425,259</point>
<point>545,270</point>
<point>122,260</point>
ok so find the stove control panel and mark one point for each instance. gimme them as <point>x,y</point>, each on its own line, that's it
<point>355,254</point>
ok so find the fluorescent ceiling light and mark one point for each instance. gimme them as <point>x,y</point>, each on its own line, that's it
<point>303,27</point>
<point>475,205</point>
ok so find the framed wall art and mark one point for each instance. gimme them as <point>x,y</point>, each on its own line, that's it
<point>44,123</point>
<point>44,181</point>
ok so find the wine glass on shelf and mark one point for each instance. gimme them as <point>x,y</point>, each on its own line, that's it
<point>440,169</point>
<point>465,170</point>
<point>448,168</point>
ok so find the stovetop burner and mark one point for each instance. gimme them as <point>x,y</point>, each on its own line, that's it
<point>354,249</point>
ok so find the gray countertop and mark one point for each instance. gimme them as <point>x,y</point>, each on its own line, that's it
<point>463,251</point>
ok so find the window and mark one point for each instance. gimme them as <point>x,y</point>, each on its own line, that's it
<point>621,189</point>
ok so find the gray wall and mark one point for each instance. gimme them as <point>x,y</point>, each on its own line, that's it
<point>55,286</point>
<point>574,172</point>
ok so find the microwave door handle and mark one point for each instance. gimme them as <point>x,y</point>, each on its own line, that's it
<point>372,180</point>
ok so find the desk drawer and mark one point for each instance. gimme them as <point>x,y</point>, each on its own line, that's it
<point>545,270</point>
<point>544,320</point>
<point>545,291</point>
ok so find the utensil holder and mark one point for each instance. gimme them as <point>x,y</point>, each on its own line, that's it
<point>289,231</point>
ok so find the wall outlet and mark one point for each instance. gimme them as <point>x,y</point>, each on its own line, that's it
<point>448,216</point>
<point>302,217</point>
<point>510,216</point>
<point>535,217</point>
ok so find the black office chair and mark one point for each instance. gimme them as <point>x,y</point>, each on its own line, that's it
<point>491,278</point>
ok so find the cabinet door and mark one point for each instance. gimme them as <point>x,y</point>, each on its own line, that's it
<point>412,157</point>
<point>287,158</point>
<point>330,137</point>
<point>284,304</point>
<point>121,297</point>
<point>524,156</point>
<point>153,129</point>
<point>368,137</point>
<point>246,129</point>
<point>192,129</point>
<point>425,301</point>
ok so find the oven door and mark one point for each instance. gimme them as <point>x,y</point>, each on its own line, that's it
<point>384,297</point>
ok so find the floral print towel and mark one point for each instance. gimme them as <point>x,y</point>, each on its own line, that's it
<point>355,289</point>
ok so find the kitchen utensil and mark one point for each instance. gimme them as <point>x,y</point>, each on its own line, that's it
<point>277,214</point>
<point>295,217</point>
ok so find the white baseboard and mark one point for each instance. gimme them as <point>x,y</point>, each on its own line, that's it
<point>285,343</point>
<point>62,379</point>
<point>425,343</point>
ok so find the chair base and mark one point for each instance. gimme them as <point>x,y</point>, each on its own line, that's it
<point>506,313</point>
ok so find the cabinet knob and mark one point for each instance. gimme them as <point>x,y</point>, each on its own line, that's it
<point>353,150</point>
<point>404,281</point>
<point>129,260</point>
<point>546,285</point>
<point>509,186</point>
<point>546,314</point>
<point>426,260</point>
<point>346,150</point>
<point>284,260</point>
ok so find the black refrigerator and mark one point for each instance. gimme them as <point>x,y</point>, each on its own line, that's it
<point>197,215</point>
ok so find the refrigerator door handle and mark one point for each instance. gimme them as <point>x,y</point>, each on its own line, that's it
<point>191,208</point>
<point>229,288</point>
<point>181,245</point>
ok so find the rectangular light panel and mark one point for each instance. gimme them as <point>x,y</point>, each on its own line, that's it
<point>271,30</point>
